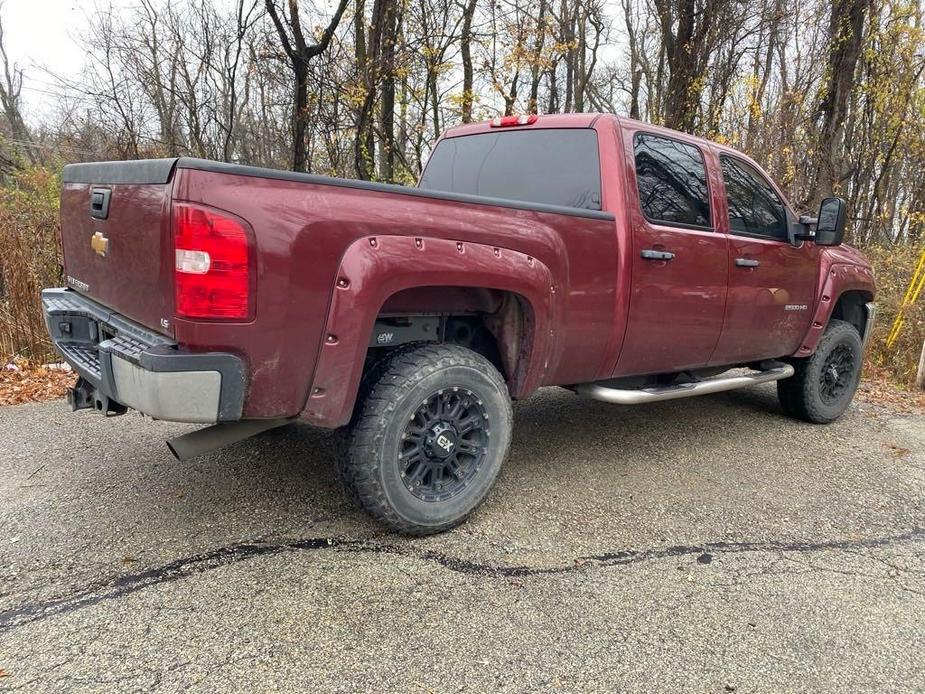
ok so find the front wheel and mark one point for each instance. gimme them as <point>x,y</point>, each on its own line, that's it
<point>824,383</point>
<point>428,438</point>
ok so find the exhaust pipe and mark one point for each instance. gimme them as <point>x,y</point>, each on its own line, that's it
<point>218,435</point>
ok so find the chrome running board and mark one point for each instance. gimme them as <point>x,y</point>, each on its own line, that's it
<point>639,396</point>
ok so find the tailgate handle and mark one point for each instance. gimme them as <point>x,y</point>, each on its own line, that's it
<point>99,202</point>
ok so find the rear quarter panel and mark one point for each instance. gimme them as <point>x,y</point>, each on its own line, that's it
<point>303,231</point>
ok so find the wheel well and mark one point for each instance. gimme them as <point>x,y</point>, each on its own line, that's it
<point>493,323</point>
<point>850,307</point>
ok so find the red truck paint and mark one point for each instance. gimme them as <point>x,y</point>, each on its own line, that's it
<point>331,256</point>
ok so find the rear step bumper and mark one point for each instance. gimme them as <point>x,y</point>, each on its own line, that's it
<point>638,396</point>
<point>123,364</point>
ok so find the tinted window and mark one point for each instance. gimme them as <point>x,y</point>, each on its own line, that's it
<point>555,167</point>
<point>754,207</point>
<point>672,181</point>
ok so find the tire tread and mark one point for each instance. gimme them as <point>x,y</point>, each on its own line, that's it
<point>798,395</point>
<point>389,381</point>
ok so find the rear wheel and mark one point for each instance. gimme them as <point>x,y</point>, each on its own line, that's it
<point>824,384</point>
<point>428,439</point>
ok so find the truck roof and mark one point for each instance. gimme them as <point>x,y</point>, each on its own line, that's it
<point>582,120</point>
<point>552,120</point>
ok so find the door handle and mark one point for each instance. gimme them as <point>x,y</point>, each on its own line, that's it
<point>747,262</point>
<point>649,254</point>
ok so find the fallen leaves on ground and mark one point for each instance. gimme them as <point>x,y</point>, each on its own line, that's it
<point>896,450</point>
<point>22,381</point>
<point>877,389</point>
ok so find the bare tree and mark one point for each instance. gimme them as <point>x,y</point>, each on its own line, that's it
<point>301,53</point>
<point>466,50</point>
<point>10,91</point>
<point>689,29</point>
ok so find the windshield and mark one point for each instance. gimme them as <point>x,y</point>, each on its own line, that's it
<point>553,166</point>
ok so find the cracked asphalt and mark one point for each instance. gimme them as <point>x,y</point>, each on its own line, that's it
<point>702,545</point>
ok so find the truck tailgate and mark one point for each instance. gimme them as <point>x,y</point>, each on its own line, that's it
<point>115,233</point>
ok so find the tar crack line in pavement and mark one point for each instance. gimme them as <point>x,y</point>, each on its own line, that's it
<point>126,584</point>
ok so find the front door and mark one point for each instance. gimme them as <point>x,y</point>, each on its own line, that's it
<point>680,262</point>
<point>772,283</point>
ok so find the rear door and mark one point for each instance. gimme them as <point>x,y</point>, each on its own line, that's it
<point>115,233</point>
<point>680,261</point>
<point>772,283</point>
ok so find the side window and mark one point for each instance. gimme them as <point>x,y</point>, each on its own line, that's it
<point>672,181</point>
<point>754,206</point>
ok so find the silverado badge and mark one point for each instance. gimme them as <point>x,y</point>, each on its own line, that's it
<point>100,244</point>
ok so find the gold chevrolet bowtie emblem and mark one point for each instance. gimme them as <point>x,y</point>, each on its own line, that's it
<point>100,244</point>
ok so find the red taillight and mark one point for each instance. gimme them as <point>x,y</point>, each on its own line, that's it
<point>509,121</point>
<point>211,264</point>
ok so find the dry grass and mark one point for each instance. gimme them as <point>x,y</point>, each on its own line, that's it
<point>30,259</point>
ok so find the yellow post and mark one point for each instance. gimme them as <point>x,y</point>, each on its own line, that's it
<point>912,294</point>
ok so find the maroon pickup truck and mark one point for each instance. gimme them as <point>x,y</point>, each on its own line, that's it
<point>624,261</point>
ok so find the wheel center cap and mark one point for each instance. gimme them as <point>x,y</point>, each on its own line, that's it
<point>833,374</point>
<point>441,440</point>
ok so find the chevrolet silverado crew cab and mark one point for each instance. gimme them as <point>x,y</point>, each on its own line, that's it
<point>624,261</point>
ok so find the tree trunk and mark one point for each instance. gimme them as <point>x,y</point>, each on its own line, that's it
<point>466,50</point>
<point>299,119</point>
<point>387,103</point>
<point>300,55</point>
<point>568,37</point>
<point>682,96</point>
<point>536,64</point>
<point>846,29</point>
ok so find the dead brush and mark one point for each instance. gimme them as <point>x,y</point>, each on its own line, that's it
<point>30,260</point>
<point>893,266</point>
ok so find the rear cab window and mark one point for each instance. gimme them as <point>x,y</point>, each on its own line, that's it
<point>671,177</point>
<point>554,166</point>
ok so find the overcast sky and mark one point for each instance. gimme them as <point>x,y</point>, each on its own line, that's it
<point>39,35</point>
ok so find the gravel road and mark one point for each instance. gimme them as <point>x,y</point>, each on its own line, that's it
<point>703,545</point>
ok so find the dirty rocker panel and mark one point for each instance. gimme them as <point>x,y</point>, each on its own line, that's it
<point>128,365</point>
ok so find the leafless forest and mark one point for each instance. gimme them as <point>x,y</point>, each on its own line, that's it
<point>828,96</point>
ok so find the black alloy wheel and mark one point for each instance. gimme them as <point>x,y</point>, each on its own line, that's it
<point>444,444</point>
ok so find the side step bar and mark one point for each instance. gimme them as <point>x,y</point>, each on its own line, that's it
<point>638,396</point>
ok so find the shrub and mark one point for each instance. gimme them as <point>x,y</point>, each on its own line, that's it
<point>30,259</point>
